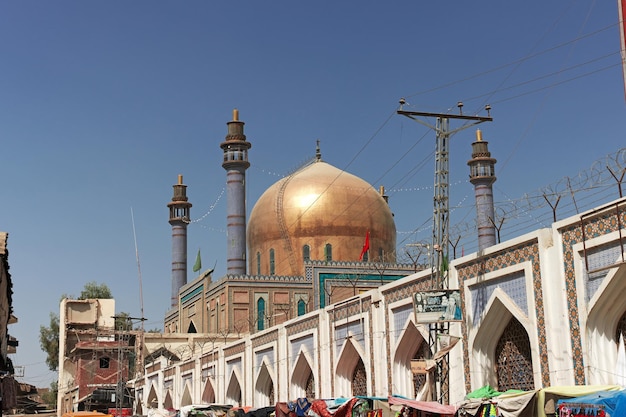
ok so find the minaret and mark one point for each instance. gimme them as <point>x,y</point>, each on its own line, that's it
<point>179,218</point>
<point>235,163</point>
<point>483,175</point>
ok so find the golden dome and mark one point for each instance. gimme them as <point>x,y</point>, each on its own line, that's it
<point>317,206</point>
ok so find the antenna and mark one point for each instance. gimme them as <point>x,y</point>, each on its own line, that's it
<point>132,216</point>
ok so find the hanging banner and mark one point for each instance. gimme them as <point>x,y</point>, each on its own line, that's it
<point>437,306</point>
<point>422,366</point>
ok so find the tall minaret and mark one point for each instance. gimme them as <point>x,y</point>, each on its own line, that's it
<point>235,163</point>
<point>179,218</point>
<point>483,175</point>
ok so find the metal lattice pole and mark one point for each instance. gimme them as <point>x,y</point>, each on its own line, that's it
<point>441,220</point>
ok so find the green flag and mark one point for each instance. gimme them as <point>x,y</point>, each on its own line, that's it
<point>198,265</point>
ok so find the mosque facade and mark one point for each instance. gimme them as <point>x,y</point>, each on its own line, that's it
<point>303,244</point>
<point>544,309</point>
<point>311,318</point>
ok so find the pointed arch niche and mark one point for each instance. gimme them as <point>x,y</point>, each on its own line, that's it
<point>233,393</point>
<point>264,387</point>
<point>139,409</point>
<point>504,328</point>
<point>302,377</point>
<point>606,309</point>
<point>410,345</point>
<point>208,394</point>
<point>153,400</point>
<point>186,398</point>
<point>350,372</point>
<point>192,327</point>
<point>167,402</point>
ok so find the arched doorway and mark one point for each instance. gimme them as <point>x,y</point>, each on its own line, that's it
<point>208,394</point>
<point>233,393</point>
<point>351,373</point>
<point>410,345</point>
<point>264,388</point>
<point>302,379</point>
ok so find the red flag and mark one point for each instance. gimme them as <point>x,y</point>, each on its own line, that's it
<point>366,245</point>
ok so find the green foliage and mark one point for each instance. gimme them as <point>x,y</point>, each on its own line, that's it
<point>50,397</point>
<point>49,342</point>
<point>94,290</point>
<point>123,322</point>
<point>155,330</point>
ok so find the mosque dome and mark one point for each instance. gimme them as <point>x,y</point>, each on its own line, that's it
<point>319,213</point>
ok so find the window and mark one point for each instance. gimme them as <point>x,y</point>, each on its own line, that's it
<point>514,367</point>
<point>301,307</point>
<point>104,363</point>
<point>260,309</point>
<point>217,315</point>
<point>208,314</point>
<point>272,265</point>
<point>328,252</point>
<point>306,252</point>
<point>258,263</point>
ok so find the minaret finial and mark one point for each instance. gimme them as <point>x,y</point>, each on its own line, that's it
<point>318,152</point>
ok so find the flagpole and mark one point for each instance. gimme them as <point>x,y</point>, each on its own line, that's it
<point>132,216</point>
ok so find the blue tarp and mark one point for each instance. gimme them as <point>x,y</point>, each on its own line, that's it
<point>614,402</point>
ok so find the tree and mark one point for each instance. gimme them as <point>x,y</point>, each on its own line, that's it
<point>50,397</point>
<point>49,342</point>
<point>49,336</point>
<point>94,290</point>
<point>123,322</point>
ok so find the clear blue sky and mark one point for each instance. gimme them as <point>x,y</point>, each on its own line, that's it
<point>104,103</point>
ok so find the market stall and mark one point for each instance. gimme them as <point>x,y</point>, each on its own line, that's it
<point>599,404</point>
<point>416,408</point>
<point>486,401</point>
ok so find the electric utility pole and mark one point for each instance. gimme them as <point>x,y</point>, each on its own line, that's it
<point>441,216</point>
<point>439,250</point>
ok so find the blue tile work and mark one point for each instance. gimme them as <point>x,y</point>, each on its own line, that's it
<point>401,292</point>
<point>515,255</point>
<point>513,285</point>
<point>258,356</point>
<point>598,258</point>
<point>302,326</point>
<point>308,342</point>
<point>231,366</point>
<point>605,222</point>
<point>264,339</point>
<point>354,329</point>
<point>400,316</point>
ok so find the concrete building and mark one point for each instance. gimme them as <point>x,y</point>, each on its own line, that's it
<point>8,344</point>
<point>97,355</point>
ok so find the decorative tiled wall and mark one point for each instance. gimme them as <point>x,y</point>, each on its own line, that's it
<point>606,221</point>
<point>515,255</point>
